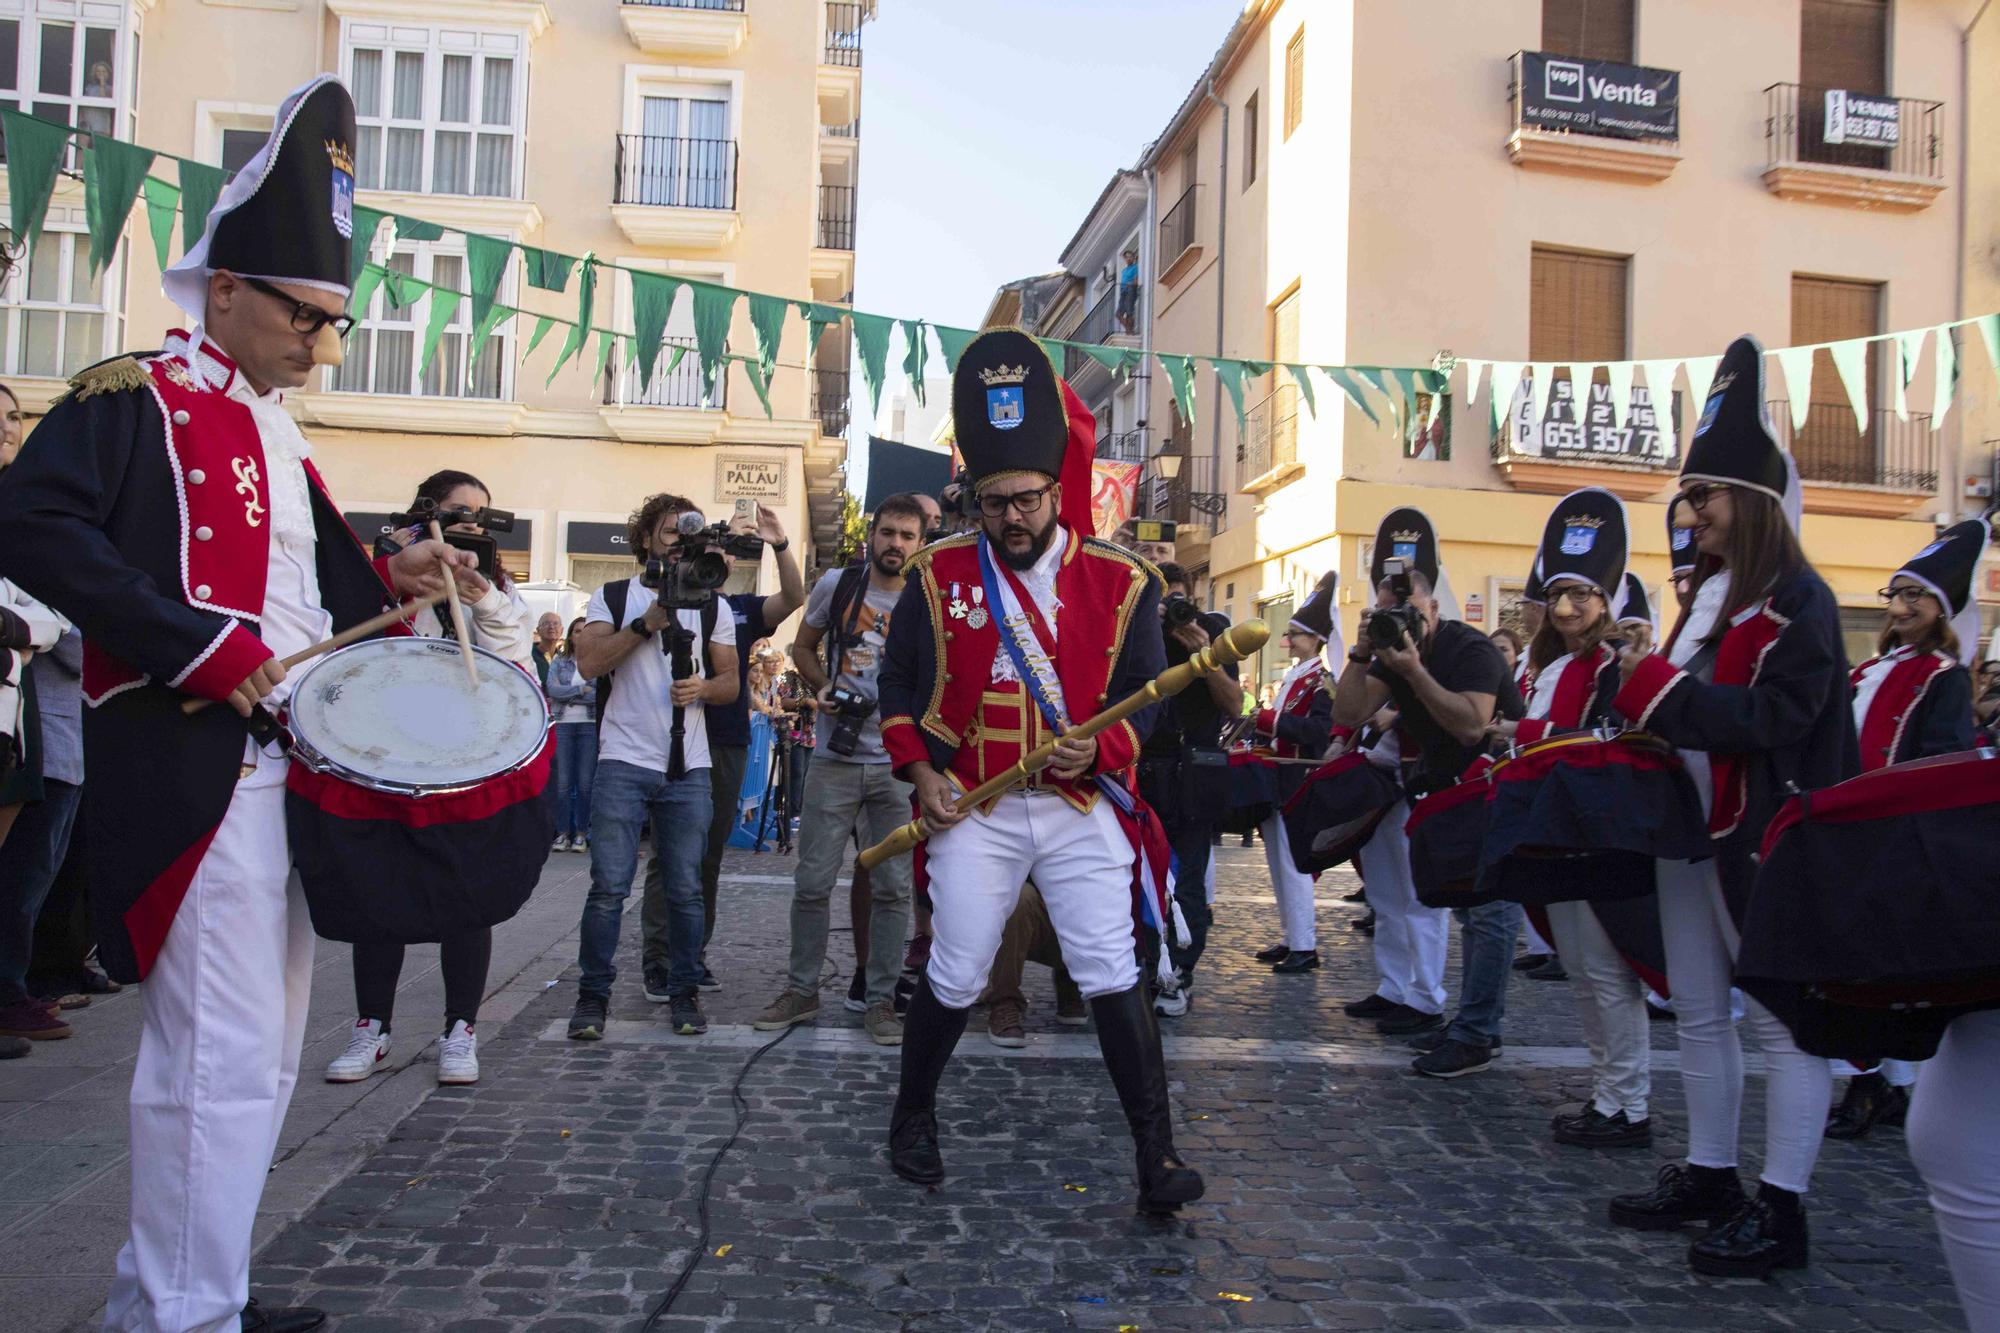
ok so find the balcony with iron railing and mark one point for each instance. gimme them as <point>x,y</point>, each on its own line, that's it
<point>1188,497</point>
<point>831,401</point>
<point>1628,126</point>
<point>1177,238</point>
<point>1267,452</point>
<point>1893,454</point>
<point>836,217</point>
<point>702,28</point>
<point>677,192</point>
<point>843,33</point>
<point>1096,328</point>
<point>679,387</point>
<point>1122,447</point>
<point>1850,148</point>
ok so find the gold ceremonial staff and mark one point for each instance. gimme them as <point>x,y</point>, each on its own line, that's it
<point>1237,642</point>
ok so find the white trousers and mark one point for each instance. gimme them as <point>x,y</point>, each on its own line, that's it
<point>1082,863</point>
<point>223,1018</point>
<point>1953,1116</point>
<point>1410,939</point>
<point>1293,887</point>
<point>1533,938</point>
<point>1611,1002</point>
<point>1701,945</point>
<point>1896,1073</point>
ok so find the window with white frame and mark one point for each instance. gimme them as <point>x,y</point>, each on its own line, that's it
<point>57,317</point>
<point>385,350</point>
<point>679,386</point>
<point>438,111</point>
<point>59,68</point>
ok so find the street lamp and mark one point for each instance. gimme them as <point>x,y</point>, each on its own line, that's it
<point>1168,465</point>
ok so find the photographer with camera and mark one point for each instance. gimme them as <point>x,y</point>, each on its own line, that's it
<point>852,787</point>
<point>1183,773</point>
<point>1443,677</point>
<point>664,640</point>
<point>756,617</point>
<point>499,622</point>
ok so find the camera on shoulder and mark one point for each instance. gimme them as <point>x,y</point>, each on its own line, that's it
<point>688,580</point>
<point>849,708</point>
<point>1388,626</point>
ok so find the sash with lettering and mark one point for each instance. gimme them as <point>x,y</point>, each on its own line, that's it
<point>1031,647</point>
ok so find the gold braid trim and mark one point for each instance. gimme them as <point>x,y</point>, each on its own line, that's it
<point>922,559</point>
<point>119,375</point>
<point>933,602</point>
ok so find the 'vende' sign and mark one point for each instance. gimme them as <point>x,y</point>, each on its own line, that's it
<point>1858,118</point>
<point>1599,97</point>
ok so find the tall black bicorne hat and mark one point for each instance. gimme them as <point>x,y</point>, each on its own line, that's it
<point>1534,590</point>
<point>288,215</point>
<point>1585,540</point>
<point>1733,442</point>
<point>1007,408</point>
<point>1635,605</point>
<point>1316,616</point>
<point>1680,542</point>
<point>1406,535</point>
<point>1947,568</point>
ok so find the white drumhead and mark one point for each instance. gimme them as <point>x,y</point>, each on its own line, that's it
<point>397,714</point>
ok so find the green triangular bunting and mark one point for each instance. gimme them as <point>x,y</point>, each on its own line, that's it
<point>547,269</point>
<point>1350,386</point>
<point>586,297</point>
<point>952,342</point>
<point>163,204</point>
<point>201,186</point>
<point>34,157</point>
<point>1302,375</point>
<point>871,336</point>
<point>444,305</point>
<point>1229,374</point>
<point>485,265</point>
<point>818,319</point>
<point>760,380</point>
<point>1180,376</point>
<point>767,320</point>
<point>542,325</point>
<point>366,280</point>
<point>916,351</point>
<point>367,222</point>
<point>652,305</point>
<point>112,172</point>
<point>714,307</point>
<point>415,229</point>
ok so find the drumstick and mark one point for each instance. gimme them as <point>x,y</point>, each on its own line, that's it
<point>457,613</point>
<point>340,640</point>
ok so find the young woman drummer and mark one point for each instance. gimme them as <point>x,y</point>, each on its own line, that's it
<point>1751,687</point>
<point>498,621</point>
<point>1913,700</point>
<point>1573,663</point>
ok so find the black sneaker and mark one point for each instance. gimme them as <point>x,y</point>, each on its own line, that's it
<point>1528,962</point>
<point>1549,971</point>
<point>1454,1059</point>
<point>686,1018</point>
<point>708,981</point>
<point>589,1019</point>
<point>1408,1022</point>
<point>1594,1129</point>
<point>857,992</point>
<point>1377,1005</point>
<point>657,989</point>
<point>1430,1041</point>
<point>1275,954</point>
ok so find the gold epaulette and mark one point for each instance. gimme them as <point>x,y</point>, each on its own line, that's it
<point>923,557</point>
<point>121,374</point>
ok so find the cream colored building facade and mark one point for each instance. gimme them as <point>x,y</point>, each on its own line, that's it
<point>715,139</point>
<point>1351,182</point>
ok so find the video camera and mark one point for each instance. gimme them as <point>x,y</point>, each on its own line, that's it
<point>687,582</point>
<point>850,709</point>
<point>1388,626</point>
<point>427,511</point>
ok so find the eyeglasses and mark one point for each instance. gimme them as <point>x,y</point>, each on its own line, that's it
<point>1576,594</point>
<point>1907,593</point>
<point>306,317</point>
<point>1023,502</point>
<point>1700,494</point>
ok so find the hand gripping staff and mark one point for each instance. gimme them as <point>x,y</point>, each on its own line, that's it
<point>1235,644</point>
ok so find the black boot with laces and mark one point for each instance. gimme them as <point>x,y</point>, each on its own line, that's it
<point>1681,1194</point>
<point>1767,1232</point>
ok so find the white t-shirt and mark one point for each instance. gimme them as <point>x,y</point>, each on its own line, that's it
<point>638,723</point>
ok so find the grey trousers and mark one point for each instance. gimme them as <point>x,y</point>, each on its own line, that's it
<point>842,799</point>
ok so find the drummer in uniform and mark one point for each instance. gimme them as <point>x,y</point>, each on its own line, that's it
<point>170,507</point>
<point>1001,641</point>
<point>1298,725</point>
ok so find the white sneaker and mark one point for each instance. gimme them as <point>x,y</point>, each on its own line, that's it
<point>561,844</point>
<point>458,1055</point>
<point>1170,1003</point>
<point>366,1050</point>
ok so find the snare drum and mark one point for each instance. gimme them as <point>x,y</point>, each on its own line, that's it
<point>1875,919</point>
<point>1584,816</point>
<point>1252,792</point>
<point>1446,830</point>
<point>1336,808</point>
<point>414,803</point>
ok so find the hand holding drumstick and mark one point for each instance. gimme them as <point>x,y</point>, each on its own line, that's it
<point>458,628</point>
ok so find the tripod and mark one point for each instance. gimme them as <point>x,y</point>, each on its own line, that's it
<point>677,642</point>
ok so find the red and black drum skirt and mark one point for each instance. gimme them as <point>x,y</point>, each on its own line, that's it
<point>1336,808</point>
<point>1249,792</point>
<point>1446,830</point>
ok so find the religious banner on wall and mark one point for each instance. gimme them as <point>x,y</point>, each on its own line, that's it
<point>1599,97</point>
<point>1644,438</point>
<point>1112,486</point>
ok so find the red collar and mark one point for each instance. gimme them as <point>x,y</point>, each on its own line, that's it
<point>215,368</point>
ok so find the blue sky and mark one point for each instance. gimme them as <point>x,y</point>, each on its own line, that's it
<point>988,130</point>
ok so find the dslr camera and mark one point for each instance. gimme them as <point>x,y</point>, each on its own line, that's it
<point>1178,609</point>
<point>427,511</point>
<point>687,582</point>
<point>849,709</point>
<point>1388,626</point>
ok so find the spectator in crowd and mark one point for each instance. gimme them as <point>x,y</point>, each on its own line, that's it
<point>853,790</point>
<point>652,760</point>
<point>1030,937</point>
<point>1509,644</point>
<point>548,637</point>
<point>498,621</point>
<point>756,617</point>
<point>1128,291</point>
<point>574,701</point>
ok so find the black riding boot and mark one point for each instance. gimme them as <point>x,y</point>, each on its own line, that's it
<point>930,1032</point>
<point>1131,1044</point>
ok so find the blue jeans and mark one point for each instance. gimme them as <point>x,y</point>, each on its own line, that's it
<point>1488,958</point>
<point>625,794</point>
<point>575,763</point>
<point>29,860</point>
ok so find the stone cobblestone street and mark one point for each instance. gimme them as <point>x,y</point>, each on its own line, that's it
<point>1343,1191</point>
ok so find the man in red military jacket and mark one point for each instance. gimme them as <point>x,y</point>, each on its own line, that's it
<point>169,506</point>
<point>1003,639</point>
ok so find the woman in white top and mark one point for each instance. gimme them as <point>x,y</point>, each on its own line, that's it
<point>499,621</point>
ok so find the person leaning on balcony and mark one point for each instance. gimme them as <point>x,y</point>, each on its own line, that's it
<point>1128,291</point>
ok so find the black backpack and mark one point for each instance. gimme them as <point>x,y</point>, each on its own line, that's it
<point>614,602</point>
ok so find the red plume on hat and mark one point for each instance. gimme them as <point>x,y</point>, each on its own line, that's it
<point>1077,478</point>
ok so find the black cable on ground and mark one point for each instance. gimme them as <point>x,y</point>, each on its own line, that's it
<point>708,1179</point>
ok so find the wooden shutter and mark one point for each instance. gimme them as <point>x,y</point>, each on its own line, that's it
<point>1251,110</point>
<point>1844,44</point>
<point>1190,164</point>
<point>1830,310</point>
<point>1285,329</point>
<point>1576,308</point>
<point>1588,29</point>
<point>1295,81</point>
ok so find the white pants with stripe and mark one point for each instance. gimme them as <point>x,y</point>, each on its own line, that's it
<point>224,1015</point>
<point>1082,863</point>
<point>1410,939</point>
<point>1293,887</point>
<point>1953,1116</point>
